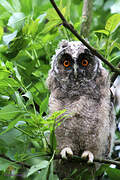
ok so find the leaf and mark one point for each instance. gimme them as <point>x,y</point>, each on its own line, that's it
<point>56,114</point>
<point>115,6</point>
<point>9,112</point>
<point>29,96</point>
<point>18,76</point>
<point>4,164</point>
<point>51,175</point>
<point>50,25</point>
<point>113,45</point>
<point>112,23</point>
<point>1,32</point>
<point>16,21</point>
<point>34,168</point>
<point>7,6</point>
<point>16,5</point>
<point>43,174</point>
<point>10,126</point>
<point>9,82</point>
<point>103,31</point>
<point>101,170</point>
<point>53,142</point>
<point>19,100</point>
<point>4,74</point>
<point>52,15</point>
<point>113,173</point>
<point>14,46</point>
<point>31,28</point>
<point>42,17</point>
<point>44,105</point>
<point>9,37</point>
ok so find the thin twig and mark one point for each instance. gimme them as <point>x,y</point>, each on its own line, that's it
<point>94,51</point>
<point>16,162</point>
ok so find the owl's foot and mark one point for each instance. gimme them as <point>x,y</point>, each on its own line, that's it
<point>66,152</point>
<point>88,155</point>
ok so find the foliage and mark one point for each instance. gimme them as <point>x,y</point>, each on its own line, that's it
<point>29,33</point>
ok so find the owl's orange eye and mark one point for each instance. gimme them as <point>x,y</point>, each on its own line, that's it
<point>84,62</point>
<point>66,63</point>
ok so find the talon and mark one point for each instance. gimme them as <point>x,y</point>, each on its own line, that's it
<point>89,155</point>
<point>65,152</point>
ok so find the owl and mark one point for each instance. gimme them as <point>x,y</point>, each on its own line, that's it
<point>79,84</point>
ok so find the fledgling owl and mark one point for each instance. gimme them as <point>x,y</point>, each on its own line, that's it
<point>78,83</point>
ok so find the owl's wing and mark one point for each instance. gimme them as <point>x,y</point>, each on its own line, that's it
<point>115,89</point>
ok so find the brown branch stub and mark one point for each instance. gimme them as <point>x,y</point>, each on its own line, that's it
<point>94,51</point>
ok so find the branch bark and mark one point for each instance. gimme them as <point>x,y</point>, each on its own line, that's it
<point>73,158</point>
<point>79,159</point>
<point>86,17</point>
<point>94,51</point>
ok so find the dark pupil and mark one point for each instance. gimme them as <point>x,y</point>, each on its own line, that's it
<point>66,62</point>
<point>84,62</point>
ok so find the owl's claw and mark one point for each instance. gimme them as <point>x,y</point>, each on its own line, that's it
<point>66,151</point>
<point>89,155</point>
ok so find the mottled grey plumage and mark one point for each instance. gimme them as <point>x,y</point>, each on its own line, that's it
<point>84,91</point>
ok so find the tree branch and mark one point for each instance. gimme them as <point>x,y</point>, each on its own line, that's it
<point>86,17</point>
<point>73,158</point>
<point>79,159</point>
<point>16,162</point>
<point>94,51</point>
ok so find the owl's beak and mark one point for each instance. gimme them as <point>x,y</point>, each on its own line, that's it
<point>75,70</point>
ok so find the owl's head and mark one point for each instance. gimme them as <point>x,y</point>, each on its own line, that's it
<point>73,65</point>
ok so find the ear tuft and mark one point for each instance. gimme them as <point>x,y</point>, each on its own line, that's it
<point>63,43</point>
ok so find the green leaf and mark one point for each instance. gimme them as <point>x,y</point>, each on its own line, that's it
<point>53,142</point>
<point>1,32</point>
<point>9,112</point>
<point>4,74</point>
<point>101,170</point>
<point>112,23</point>
<point>7,6</point>
<point>51,175</point>
<point>9,82</point>
<point>18,76</point>
<point>29,96</point>
<point>19,100</point>
<point>113,173</point>
<point>34,168</point>
<point>113,45</point>
<point>43,174</point>
<point>9,37</point>
<point>44,105</point>
<point>4,164</point>
<point>103,31</point>
<point>16,5</point>
<point>10,126</point>
<point>31,28</point>
<point>16,21</point>
<point>42,17</point>
<point>52,15</point>
<point>50,25</point>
